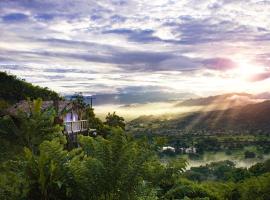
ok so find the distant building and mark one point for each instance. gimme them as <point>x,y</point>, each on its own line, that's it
<point>189,150</point>
<point>168,148</point>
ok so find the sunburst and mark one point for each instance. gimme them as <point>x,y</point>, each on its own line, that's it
<point>246,70</point>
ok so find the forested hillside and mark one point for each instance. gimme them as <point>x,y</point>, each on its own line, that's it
<point>253,118</point>
<point>230,99</point>
<point>36,161</point>
<point>36,164</point>
<point>14,89</point>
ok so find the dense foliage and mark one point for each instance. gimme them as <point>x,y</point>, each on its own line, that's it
<point>14,89</point>
<point>114,166</point>
<point>28,129</point>
<point>115,120</point>
<point>250,146</point>
<point>101,169</point>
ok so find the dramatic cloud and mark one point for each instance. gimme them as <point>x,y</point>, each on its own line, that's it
<point>14,17</point>
<point>221,64</point>
<point>260,77</point>
<point>96,47</point>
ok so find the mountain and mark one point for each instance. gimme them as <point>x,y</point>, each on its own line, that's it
<point>264,95</point>
<point>245,119</point>
<point>224,100</point>
<point>14,90</point>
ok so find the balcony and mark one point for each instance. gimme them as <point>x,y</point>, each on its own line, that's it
<point>75,126</point>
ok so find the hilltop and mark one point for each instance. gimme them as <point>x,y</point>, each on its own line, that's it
<point>14,89</point>
<point>243,119</point>
<point>229,100</point>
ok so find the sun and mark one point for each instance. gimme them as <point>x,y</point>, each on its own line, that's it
<point>245,70</point>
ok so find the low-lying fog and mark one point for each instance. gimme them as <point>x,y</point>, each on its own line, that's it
<point>173,107</point>
<point>165,109</point>
<point>221,156</point>
<point>132,111</point>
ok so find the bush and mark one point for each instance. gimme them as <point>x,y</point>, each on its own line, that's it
<point>249,154</point>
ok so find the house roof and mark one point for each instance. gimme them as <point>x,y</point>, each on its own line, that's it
<point>26,105</point>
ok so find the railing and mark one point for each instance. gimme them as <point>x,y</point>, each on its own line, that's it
<point>75,126</point>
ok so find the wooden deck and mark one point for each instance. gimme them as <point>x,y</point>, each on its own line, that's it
<point>76,126</point>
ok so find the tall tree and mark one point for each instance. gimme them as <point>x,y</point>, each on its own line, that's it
<point>30,128</point>
<point>114,120</point>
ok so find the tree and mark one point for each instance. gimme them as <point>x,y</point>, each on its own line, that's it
<point>185,189</point>
<point>256,188</point>
<point>44,175</point>
<point>114,120</point>
<point>260,168</point>
<point>219,171</point>
<point>249,154</point>
<point>3,106</point>
<point>30,128</point>
<point>207,144</point>
<point>159,142</point>
<point>78,99</point>
<point>14,90</point>
<point>93,121</point>
<point>115,166</point>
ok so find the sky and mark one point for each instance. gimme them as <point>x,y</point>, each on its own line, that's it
<point>185,47</point>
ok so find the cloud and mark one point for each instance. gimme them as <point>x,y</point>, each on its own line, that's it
<point>206,30</point>
<point>44,17</point>
<point>221,64</point>
<point>263,59</point>
<point>14,17</point>
<point>14,67</point>
<point>136,35</point>
<point>64,70</point>
<point>118,19</point>
<point>140,94</point>
<point>260,77</point>
<point>179,63</point>
<point>109,45</point>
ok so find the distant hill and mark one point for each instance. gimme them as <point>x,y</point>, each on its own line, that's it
<point>264,95</point>
<point>253,117</point>
<point>228,100</point>
<point>250,118</point>
<point>14,89</point>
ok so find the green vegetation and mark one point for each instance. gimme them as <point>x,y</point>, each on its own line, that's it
<point>115,120</point>
<point>93,121</point>
<point>250,154</point>
<point>112,120</point>
<point>14,90</point>
<point>36,162</point>
<point>28,129</point>
<point>39,166</point>
<point>255,144</point>
<point>222,171</point>
<point>243,120</point>
<point>100,169</point>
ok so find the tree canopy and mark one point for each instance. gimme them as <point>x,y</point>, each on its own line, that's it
<point>114,120</point>
<point>14,90</point>
<point>36,164</point>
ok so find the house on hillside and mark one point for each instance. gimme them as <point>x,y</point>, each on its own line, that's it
<point>69,114</point>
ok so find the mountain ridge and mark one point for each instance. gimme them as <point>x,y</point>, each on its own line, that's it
<point>248,118</point>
